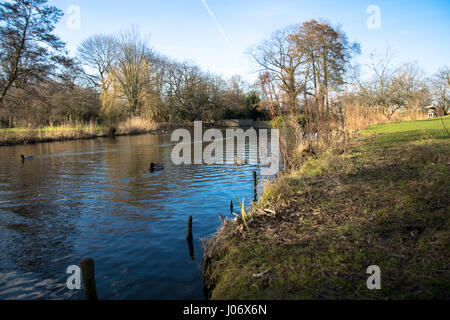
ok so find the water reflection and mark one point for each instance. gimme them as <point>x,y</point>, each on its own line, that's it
<point>97,198</point>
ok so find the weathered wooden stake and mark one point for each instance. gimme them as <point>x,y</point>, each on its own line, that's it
<point>191,249</point>
<point>189,230</point>
<point>88,272</point>
<point>189,238</point>
<point>231,207</point>
<point>255,186</point>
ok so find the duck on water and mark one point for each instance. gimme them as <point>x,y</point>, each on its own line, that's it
<point>26,157</point>
<point>156,167</point>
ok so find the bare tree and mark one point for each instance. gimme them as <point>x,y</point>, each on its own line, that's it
<point>279,57</point>
<point>440,86</point>
<point>133,68</point>
<point>190,92</point>
<point>327,53</point>
<point>159,70</point>
<point>411,87</point>
<point>98,56</point>
<point>392,88</point>
<point>234,97</point>
<point>311,58</point>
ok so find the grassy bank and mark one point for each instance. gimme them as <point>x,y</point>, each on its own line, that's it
<point>17,136</point>
<point>382,200</point>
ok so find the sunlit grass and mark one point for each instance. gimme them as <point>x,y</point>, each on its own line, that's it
<point>136,125</point>
<point>405,132</point>
<point>383,201</point>
<point>12,136</point>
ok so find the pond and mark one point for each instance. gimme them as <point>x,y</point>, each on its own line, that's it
<point>98,199</point>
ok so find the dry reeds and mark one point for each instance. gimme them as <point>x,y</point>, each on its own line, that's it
<point>136,125</point>
<point>63,132</point>
<point>324,130</point>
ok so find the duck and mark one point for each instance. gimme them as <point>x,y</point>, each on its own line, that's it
<point>156,167</point>
<point>240,162</point>
<point>26,158</point>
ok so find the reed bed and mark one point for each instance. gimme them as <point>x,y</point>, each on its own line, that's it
<point>74,131</point>
<point>136,125</point>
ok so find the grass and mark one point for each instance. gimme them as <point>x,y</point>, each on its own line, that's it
<point>64,132</point>
<point>405,132</point>
<point>136,125</point>
<point>384,201</point>
<point>49,134</point>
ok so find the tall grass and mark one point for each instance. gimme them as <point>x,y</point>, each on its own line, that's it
<point>66,131</point>
<point>356,117</point>
<point>317,131</point>
<point>73,131</point>
<point>136,125</point>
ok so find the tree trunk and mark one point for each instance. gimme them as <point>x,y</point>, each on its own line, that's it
<point>15,68</point>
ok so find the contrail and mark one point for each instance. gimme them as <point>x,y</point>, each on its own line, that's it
<point>213,17</point>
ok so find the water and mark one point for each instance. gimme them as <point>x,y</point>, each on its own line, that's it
<point>97,199</point>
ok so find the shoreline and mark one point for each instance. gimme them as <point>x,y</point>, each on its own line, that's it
<point>381,200</point>
<point>33,140</point>
<point>36,136</point>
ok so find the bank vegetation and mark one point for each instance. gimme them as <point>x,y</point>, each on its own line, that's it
<point>349,194</point>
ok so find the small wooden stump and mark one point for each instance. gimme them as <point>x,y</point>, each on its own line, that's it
<point>190,238</point>
<point>189,230</point>
<point>191,249</point>
<point>255,186</point>
<point>88,272</point>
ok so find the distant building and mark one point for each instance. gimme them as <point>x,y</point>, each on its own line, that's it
<point>432,113</point>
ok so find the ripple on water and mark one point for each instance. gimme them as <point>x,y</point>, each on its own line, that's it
<point>97,199</point>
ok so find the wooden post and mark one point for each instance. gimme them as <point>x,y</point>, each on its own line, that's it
<point>189,238</point>
<point>189,230</point>
<point>231,207</point>
<point>88,272</point>
<point>255,186</point>
<point>191,249</point>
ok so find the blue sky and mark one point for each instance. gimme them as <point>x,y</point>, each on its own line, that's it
<point>415,31</point>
